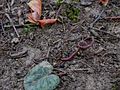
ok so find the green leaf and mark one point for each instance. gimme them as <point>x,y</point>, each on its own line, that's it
<point>39,78</point>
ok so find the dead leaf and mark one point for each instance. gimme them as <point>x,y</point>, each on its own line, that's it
<point>36,6</point>
<point>104,2</point>
<point>47,21</point>
<point>34,16</point>
<point>36,9</point>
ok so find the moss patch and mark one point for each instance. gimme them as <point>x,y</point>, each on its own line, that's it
<point>28,28</point>
<point>115,87</point>
<point>72,13</point>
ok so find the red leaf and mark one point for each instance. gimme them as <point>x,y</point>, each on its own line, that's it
<point>104,2</point>
<point>34,16</point>
<point>47,21</point>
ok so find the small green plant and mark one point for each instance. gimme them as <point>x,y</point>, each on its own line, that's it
<point>28,28</point>
<point>72,13</point>
<point>59,2</point>
<point>114,87</point>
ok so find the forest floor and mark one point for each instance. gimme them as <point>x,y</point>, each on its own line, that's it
<point>95,68</point>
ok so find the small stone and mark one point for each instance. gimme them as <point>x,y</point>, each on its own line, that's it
<point>87,9</point>
<point>23,1</point>
<point>52,13</point>
<point>86,2</point>
<point>78,88</point>
<point>15,40</point>
<point>18,73</point>
<point>20,54</point>
<point>12,34</point>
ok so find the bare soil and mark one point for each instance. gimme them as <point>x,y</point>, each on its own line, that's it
<point>96,68</point>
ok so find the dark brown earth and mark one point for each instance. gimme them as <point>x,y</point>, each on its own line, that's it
<point>96,68</point>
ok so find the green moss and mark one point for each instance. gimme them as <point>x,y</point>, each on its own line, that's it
<point>114,87</point>
<point>59,2</point>
<point>28,28</point>
<point>72,13</point>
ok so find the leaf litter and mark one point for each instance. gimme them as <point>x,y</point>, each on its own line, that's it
<point>34,17</point>
<point>102,63</point>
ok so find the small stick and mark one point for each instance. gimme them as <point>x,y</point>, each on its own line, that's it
<point>59,9</point>
<point>1,6</point>
<point>104,32</point>
<point>56,41</point>
<point>92,24</point>
<point>48,52</point>
<point>12,24</point>
<point>60,70</point>
<point>12,2</point>
<point>9,26</point>
<point>91,31</point>
<point>50,5</point>
<point>9,8</point>
<point>112,18</point>
<point>80,69</point>
<point>85,64</point>
<point>2,12</point>
<point>19,26</point>
<point>2,27</point>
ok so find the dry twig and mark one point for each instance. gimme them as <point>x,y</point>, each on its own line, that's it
<point>12,2</point>
<point>48,52</point>
<point>2,27</point>
<point>92,24</point>
<point>104,32</point>
<point>7,15</point>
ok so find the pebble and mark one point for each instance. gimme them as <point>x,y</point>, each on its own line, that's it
<point>15,40</point>
<point>20,54</point>
<point>23,1</point>
<point>86,2</point>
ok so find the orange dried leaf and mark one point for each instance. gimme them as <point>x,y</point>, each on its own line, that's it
<point>32,17</point>
<point>47,21</point>
<point>36,6</point>
<point>104,2</point>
